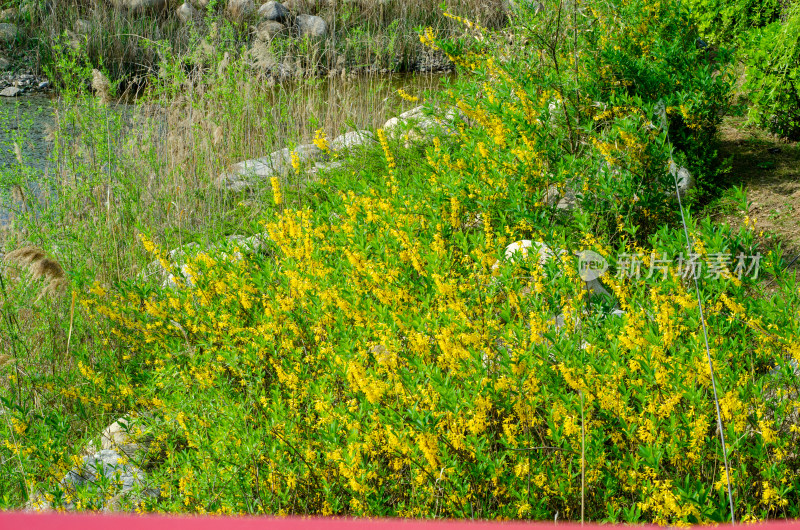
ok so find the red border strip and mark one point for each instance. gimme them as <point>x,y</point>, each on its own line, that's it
<point>64,521</point>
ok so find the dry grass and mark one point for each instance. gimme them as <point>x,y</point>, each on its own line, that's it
<point>101,86</point>
<point>362,33</point>
<point>32,262</point>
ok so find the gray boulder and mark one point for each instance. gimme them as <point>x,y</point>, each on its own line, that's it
<point>187,12</point>
<point>4,63</point>
<point>10,92</point>
<point>8,32</point>
<point>269,29</point>
<point>243,175</point>
<point>273,11</point>
<point>351,139</point>
<point>312,26</point>
<point>106,465</point>
<point>567,201</point>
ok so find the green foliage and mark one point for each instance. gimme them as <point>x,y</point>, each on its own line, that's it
<point>653,54</point>
<point>724,23</point>
<point>772,56</point>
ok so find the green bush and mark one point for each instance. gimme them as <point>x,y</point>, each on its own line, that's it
<point>725,23</point>
<point>772,56</point>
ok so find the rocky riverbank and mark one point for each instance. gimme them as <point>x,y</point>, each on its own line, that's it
<point>277,40</point>
<point>17,77</point>
<point>20,82</point>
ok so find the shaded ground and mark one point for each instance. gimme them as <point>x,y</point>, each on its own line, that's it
<point>768,169</point>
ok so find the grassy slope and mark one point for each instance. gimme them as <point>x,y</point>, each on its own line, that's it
<point>60,356</point>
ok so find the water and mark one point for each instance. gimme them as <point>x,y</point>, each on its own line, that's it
<point>297,108</point>
<point>25,121</point>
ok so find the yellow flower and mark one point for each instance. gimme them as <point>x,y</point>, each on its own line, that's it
<point>320,141</point>
<point>405,95</point>
<point>385,145</point>
<point>276,191</point>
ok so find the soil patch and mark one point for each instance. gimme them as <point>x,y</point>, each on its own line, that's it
<point>768,169</point>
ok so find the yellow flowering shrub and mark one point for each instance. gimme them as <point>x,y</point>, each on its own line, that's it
<point>387,356</point>
<point>377,364</point>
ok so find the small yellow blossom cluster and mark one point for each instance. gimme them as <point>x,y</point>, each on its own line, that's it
<point>321,141</point>
<point>406,96</point>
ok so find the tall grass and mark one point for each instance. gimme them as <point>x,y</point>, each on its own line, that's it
<point>362,35</point>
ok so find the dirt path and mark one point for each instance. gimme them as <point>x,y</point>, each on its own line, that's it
<point>768,169</point>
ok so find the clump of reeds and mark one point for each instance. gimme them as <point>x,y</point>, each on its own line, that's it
<point>39,267</point>
<point>101,86</point>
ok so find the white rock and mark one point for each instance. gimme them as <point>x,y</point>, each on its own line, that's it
<point>10,92</point>
<point>324,167</point>
<point>112,466</point>
<point>187,12</point>
<point>243,175</point>
<point>178,258</point>
<point>595,287</point>
<point>519,250</point>
<point>312,26</point>
<point>568,202</point>
<point>8,32</point>
<point>418,125</point>
<point>392,125</point>
<point>125,436</point>
<point>351,139</point>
